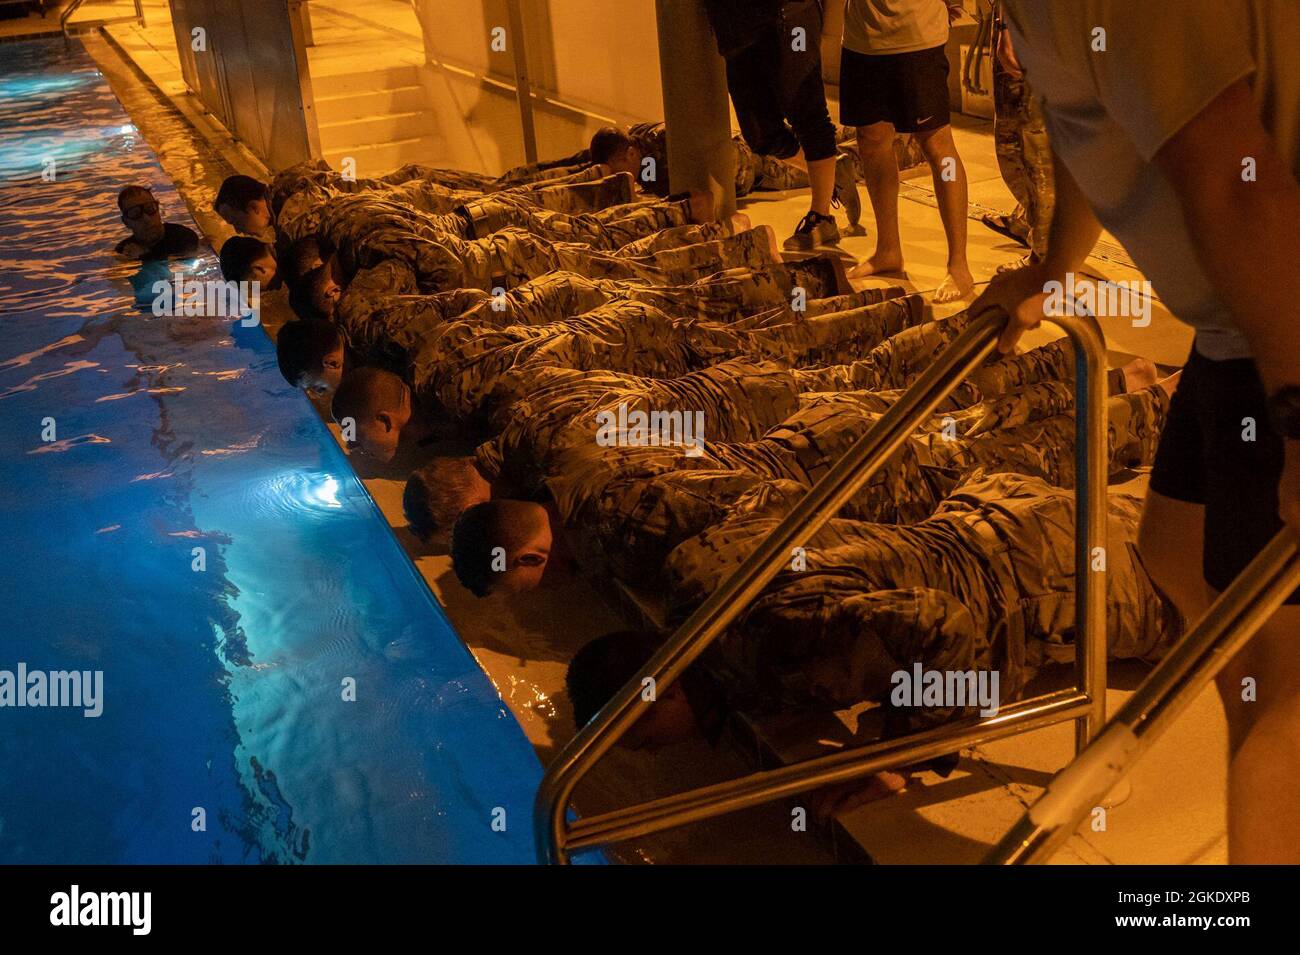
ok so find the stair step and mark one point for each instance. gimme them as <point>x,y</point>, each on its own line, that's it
<point>393,127</point>
<point>341,107</point>
<point>366,81</point>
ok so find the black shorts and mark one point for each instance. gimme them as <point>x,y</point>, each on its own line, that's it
<point>909,90</point>
<point>1207,456</point>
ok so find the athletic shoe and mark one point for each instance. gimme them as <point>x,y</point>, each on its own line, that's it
<point>813,230</point>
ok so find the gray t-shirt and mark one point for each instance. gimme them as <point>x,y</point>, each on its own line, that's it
<point>1113,99</point>
<point>876,27</point>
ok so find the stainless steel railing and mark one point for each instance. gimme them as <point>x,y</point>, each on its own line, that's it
<point>76,5</point>
<point>1226,627</point>
<point>1085,703</point>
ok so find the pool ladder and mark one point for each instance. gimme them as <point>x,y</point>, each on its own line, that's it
<point>557,837</point>
<point>1102,759</point>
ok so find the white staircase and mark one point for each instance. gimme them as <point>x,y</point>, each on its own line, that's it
<point>379,118</point>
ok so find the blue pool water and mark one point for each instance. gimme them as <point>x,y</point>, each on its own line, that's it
<point>223,688</point>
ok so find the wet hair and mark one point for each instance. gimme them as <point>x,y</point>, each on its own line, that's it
<point>437,493</point>
<point>241,192</point>
<point>130,191</point>
<point>365,392</point>
<point>238,254</point>
<point>602,667</point>
<point>301,254</point>
<point>477,532</point>
<point>301,347</point>
<point>608,141</point>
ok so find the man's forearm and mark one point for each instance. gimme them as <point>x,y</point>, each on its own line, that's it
<point>1074,230</point>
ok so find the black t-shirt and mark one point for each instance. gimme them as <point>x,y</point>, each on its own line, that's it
<point>176,240</point>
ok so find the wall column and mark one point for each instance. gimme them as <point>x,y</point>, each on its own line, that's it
<point>696,107</point>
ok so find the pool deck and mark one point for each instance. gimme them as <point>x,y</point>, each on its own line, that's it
<point>1177,810</point>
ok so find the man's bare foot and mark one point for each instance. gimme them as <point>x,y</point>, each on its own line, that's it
<point>882,263</point>
<point>703,207</point>
<point>956,285</point>
<point>1138,374</point>
<point>828,801</point>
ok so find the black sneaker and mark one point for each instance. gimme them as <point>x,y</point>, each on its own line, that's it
<point>813,230</point>
<point>846,189</point>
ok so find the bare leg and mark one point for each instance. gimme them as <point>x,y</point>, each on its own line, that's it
<point>1264,735</point>
<point>880,172</point>
<point>1263,776</point>
<point>951,189</point>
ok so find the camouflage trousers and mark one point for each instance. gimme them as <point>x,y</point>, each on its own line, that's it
<point>985,584</point>
<point>647,501</point>
<point>365,230</point>
<point>471,368</point>
<point>303,194</point>
<point>897,362</point>
<point>562,408</point>
<point>1024,154</point>
<point>648,225</point>
<point>382,312</point>
<point>755,171</point>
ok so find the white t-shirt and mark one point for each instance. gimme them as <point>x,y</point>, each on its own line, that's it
<point>1113,99</point>
<point>895,26</point>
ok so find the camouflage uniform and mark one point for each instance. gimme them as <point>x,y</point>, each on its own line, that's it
<point>644,505</point>
<point>612,228</point>
<point>365,230</point>
<point>544,169</point>
<point>382,312</point>
<point>898,361</point>
<point>1024,154</point>
<point>987,583</point>
<point>739,399</point>
<point>472,367</point>
<point>300,194</point>
<point>752,170</point>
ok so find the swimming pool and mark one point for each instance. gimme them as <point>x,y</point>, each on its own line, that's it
<point>178,519</point>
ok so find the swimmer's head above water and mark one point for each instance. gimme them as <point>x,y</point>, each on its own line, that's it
<point>142,215</point>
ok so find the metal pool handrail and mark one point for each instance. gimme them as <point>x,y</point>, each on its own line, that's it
<point>76,5</point>
<point>1085,703</point>
<point>1224,629</point>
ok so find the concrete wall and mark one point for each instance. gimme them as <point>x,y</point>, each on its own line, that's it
<point>590,64</point>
